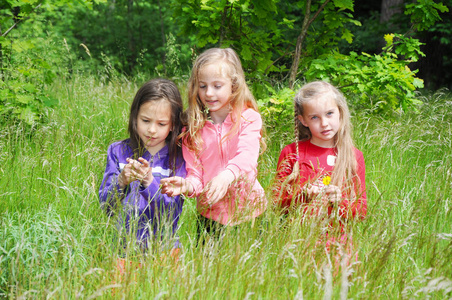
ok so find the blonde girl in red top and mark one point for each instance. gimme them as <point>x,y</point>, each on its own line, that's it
<point>221,143</point>
<point>322,174</point>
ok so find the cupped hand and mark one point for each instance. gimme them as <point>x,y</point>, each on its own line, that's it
<point>313,192</point>
<point>217,188</point>
<point>144,172</point>
<point>136,170</point>
<point>175,186</point>
<point>328,194</point>
<point>333,194</point>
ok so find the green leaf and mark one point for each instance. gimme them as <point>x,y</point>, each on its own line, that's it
<point>344,4</point>
<point>348,36</point>
<point>246,53</point>
<point>25,99</point>
<point>4,94</point>
<point>29,87</point>
<point>419,83</point>
<point>28,116</point>
<point>49,101</point>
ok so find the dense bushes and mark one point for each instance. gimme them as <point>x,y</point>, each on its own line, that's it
<point>41,40</point>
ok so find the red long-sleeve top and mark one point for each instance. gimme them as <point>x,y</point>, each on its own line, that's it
<point>316,164</point>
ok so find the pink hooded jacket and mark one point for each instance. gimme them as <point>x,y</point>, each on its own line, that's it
<point>238,153</point>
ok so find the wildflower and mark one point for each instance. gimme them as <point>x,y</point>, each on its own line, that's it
<point>326,180</point>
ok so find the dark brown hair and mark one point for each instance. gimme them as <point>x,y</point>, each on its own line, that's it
<point>157,90</point>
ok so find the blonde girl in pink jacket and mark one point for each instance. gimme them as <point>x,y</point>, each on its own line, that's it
<point>221,144</point>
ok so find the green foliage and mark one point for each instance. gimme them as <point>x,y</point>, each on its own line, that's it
<point>332,26</point>
<point>406,47</point>
<point>256,29</point>
<point>171,68</point>
<point>392,87</point>
<point>43,39</point>
<point>384,80</point>
<point>264,32</point>
<point>23,101</point>
<point>278,108</point>
<point>29,60</point>
<point>131,35</point>
<point>424,13</point>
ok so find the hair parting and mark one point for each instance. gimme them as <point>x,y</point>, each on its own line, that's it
<point>158,90</point>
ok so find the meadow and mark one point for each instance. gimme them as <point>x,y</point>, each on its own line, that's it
<point>56,242</point>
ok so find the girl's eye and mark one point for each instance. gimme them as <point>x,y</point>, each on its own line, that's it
<point>162,124</point>
<point>218,86</point>
<point>329,113</point>
<point>202,86</point>
<point>313,118</point>
<point>145,121</point>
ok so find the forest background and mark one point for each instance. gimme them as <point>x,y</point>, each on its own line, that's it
<point>69,70</point>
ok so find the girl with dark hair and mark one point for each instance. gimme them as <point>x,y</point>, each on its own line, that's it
<point>130,188</point>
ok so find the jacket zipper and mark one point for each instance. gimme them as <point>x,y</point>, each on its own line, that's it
<point>222,159</point>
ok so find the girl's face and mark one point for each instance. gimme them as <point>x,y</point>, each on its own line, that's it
<point>215,90</point>
<point>154,124</point>
<point>322,117</point>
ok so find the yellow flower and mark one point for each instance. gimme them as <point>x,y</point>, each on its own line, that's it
<point>389,38</point>
<point>326,180</point>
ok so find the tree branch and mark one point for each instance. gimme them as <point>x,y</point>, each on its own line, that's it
<point>304,31</point>
<point>20,20</point>
<point>276,60</point>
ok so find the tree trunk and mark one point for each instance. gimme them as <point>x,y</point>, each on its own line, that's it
<point>390,8</point>
<point>304,31</point>
<point>225,22</point>
<point>130,34</point>
<point>162,30</point>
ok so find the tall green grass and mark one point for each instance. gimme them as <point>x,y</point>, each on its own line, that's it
<point>55,242</point>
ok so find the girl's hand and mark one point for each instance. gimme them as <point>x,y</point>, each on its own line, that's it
<point>329,194</point>
<point>216,189</point>
<point>175,186</point>
<point>333,193</point>
<point>313,192</point>
<point>135,170</point>
<point>144,172</point>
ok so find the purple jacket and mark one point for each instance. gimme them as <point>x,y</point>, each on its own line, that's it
<point>142,208</point>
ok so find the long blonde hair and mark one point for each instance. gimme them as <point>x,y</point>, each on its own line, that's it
<point>241,97</point>
<point>346,165</point>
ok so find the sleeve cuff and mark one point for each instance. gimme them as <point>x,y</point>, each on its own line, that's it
<point>150,191</point>
<point>235,170</point>
<point>197,186</point>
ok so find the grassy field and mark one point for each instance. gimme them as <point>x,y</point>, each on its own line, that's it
<point>55,242</point>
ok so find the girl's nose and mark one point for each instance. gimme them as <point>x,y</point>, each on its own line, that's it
<point>324,122</point>
<point>209,91</point>
<point>151,128</point>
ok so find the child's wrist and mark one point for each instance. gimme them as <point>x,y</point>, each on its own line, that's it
<point>146,182</point>
<point>229,175</point>
<point>121,183</point>
<point>144,185</point>
<point>188,190</point>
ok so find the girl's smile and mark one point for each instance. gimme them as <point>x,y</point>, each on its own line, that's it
<point>215,91</point>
